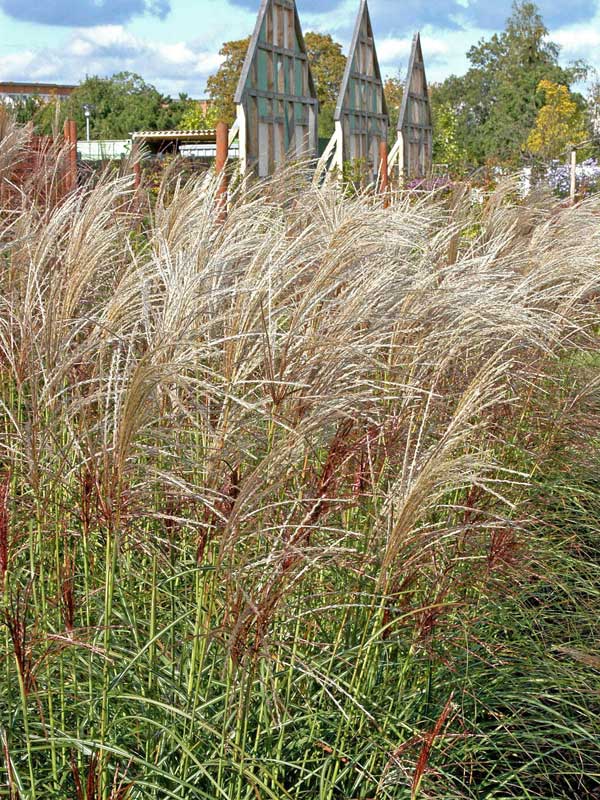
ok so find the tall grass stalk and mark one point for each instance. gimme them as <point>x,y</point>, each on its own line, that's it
<point>300,504</point>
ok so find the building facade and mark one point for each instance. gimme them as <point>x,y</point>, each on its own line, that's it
<point>12,92</point>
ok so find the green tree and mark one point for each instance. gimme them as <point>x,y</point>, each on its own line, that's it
<point>496,101</point>
<point>447,146</point>
<point>47,117</point>
<point>27,109</point>
<point>175,110</point>
<point>197,118</point>
<point>394,91</point>
<point>222,85</point>
<point>122,104</point>
<point>327,63</point>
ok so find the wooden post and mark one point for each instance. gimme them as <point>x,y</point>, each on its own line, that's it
<point>137,175</point>
<point>66,180</point>
<point>73,153</point>
<point>220,165</point>
<point>137,167</point>
<point>70,134</point>
<point>573,191</point>
<point>383,173</point>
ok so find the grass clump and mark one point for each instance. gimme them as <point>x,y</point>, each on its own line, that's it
<point>301,505</point>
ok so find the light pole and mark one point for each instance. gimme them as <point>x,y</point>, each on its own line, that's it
<point>87,110</point>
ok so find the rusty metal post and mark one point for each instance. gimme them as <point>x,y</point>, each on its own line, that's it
<point>220,165</point>
<point>384,183</point>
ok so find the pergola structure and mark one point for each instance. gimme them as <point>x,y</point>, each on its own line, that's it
<point>171,142</point>
<point>361,115</point>
<point>276,99</point>
<point>413,149</point>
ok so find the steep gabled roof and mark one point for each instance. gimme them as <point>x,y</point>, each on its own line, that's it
<point>255,42</point>
<point>415,87</point>
<point>363,23</point>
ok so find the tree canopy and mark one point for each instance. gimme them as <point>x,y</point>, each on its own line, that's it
<point>560,123</point>
<point>222,85</point>
<point>123,104</point>
<point>497,100</point>
<point>327,62</point>
<point>394,91</point>
<point>119,105</point>
<point>198,117</point>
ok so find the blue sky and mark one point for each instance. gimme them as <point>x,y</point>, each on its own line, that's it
<point>174,43</point>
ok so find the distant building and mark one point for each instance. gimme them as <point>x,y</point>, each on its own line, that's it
<point>15,92</point>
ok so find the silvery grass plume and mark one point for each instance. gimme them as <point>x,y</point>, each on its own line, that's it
<point>14,140</point>
<point>275,445</point>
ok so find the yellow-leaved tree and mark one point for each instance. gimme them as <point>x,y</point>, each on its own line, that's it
<point>199,116</point>
<point>560,122</point>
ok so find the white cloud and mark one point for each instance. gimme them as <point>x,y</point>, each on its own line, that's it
<point>393,48</point>
<point>578,39</point>
<point>16,63</point>
<point>444,52</point>
<point>178,53</point>
<point>27,63</point>
<point>107,35</point>
<point>579,42</point>
<point>103,50</point>
<point>80,48</point>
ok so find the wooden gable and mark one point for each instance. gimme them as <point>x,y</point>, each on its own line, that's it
<point>361,114</point>
<point>415,125</point>
<point>276,98</point>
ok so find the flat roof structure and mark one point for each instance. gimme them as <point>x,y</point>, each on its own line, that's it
<point>203,135</point>
<point>196,143</point>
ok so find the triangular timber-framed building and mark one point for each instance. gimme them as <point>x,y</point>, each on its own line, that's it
<point>276,99</point>
<point>415,123</point>
<point>361,115</point>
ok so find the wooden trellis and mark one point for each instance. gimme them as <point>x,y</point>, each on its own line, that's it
<point>276,100</point>
<point>415,125</point>
<point>361,115</point>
